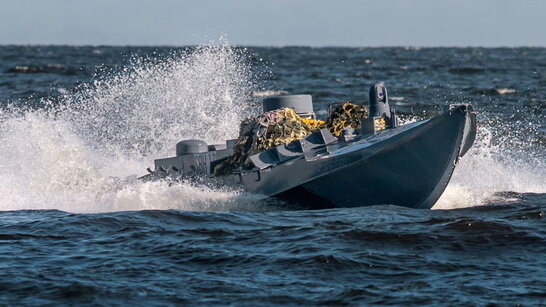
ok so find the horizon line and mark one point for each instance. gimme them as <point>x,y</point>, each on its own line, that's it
<point>266,46</point>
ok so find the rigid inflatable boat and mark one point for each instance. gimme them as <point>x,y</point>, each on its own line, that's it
<point>381,162</point>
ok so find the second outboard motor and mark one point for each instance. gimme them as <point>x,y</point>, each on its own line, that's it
<point>302,104</point>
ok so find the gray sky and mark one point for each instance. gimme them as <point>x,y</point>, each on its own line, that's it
<point>275,22</point>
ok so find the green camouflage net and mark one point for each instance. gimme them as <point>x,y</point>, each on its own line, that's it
<point>278,127</point>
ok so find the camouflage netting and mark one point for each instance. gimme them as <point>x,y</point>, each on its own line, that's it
<point>346,115</point>
<point>283,126</point>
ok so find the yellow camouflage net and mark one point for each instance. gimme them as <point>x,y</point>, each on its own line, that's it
<point>346,115</point>
<point>278,127</point>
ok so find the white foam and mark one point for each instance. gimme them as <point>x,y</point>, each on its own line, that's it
<point>489,169</point>
<point>185,196</point>
<point>504,91</point>
<point>73,157</point>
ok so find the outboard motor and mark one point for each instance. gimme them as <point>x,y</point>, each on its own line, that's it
<point>302,104</point>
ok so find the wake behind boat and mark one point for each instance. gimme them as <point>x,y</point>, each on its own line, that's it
<point>338,163</point>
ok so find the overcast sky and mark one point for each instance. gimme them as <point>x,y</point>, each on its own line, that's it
<point>275,22</point>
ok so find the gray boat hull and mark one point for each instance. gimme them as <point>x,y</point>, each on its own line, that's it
<point>407,166</point>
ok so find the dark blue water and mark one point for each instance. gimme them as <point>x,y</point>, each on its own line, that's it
<point>75,121</point>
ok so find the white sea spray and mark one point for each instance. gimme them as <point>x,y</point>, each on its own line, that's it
<point>491,168</point>
<point>74,156</point>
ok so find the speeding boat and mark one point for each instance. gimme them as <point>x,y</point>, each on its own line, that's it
<point>381,162</point>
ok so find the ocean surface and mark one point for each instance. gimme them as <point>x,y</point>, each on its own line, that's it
<point>75,122</point>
